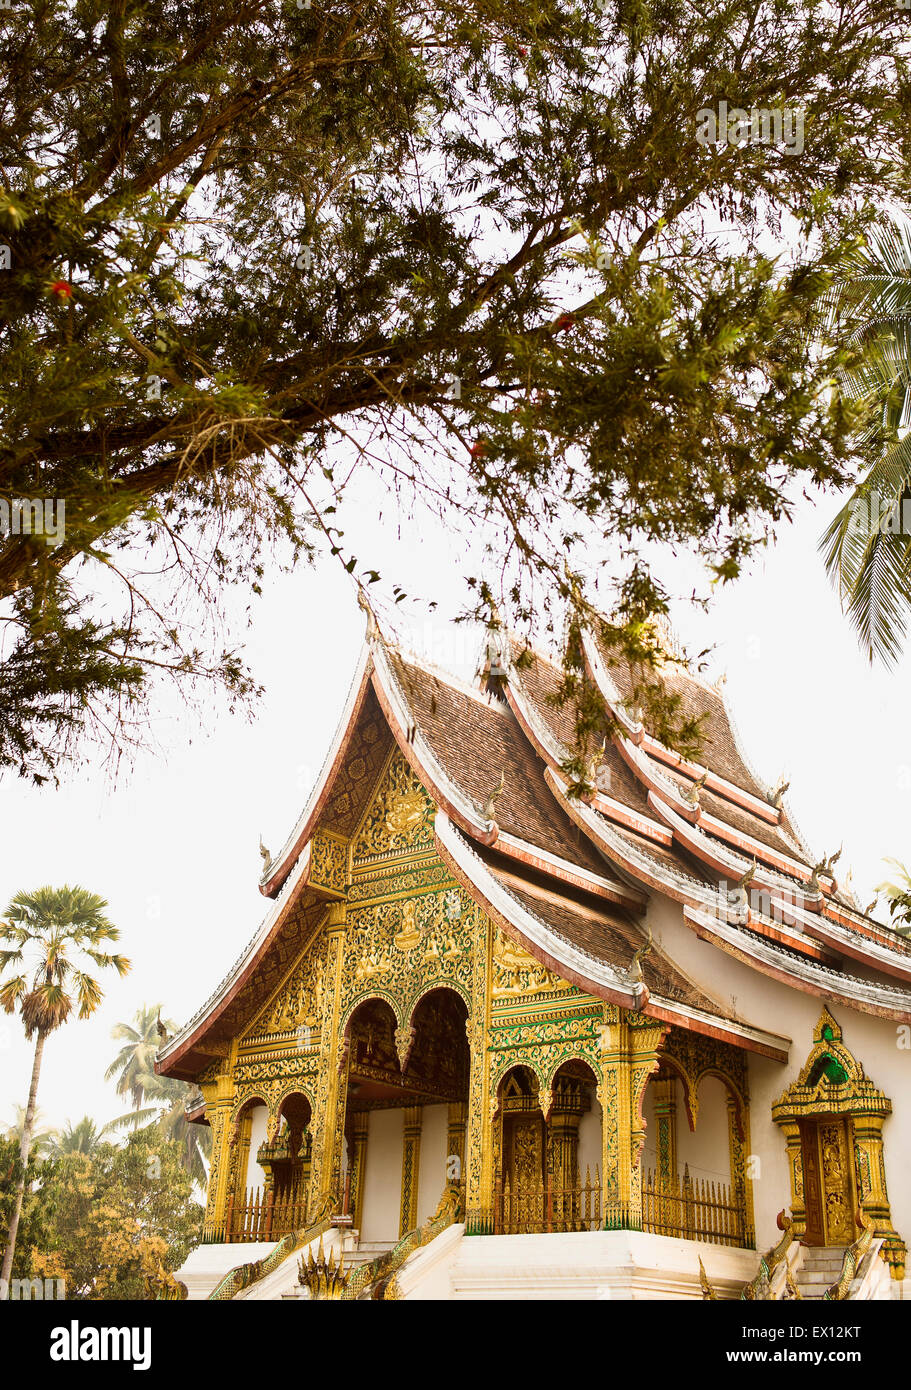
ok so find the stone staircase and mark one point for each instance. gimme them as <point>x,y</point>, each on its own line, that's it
<point>819,1269</point>
<point>356,1253</point>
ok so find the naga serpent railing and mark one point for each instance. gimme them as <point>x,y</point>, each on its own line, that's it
<point>242,1276</point>
<point>383,1269</point>
<point>758,1286</point>
<point>854,1257</point>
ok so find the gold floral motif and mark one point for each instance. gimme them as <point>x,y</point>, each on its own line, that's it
<point>400,818</point>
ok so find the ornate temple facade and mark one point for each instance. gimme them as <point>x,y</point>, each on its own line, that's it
<point>646,1025</point>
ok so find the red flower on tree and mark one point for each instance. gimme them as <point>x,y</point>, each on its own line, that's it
<point>565,322</point>
<point>478,450</point>
<point>62,290</point>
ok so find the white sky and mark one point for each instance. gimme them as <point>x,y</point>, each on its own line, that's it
<point>174,845</point>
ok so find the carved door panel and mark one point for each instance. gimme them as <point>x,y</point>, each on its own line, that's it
<point>827,1150</point>
<point>812,1187</point>
<point>836,1152</point>
<point>525,1169</point>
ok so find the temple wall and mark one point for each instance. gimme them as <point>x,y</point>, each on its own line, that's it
<point>383,1181</point>
<point>432,1173</point>
<point>766,1003</point>
<point>590,1141</point>
<point>259,1121</point>
<point>705,1150</point>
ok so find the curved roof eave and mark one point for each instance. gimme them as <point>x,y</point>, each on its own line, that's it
<point>203,1020</point>
<point>580,968</point>
<point>273,877</point>
<point>808,976</point>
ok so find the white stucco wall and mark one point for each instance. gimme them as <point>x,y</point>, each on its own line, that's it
<point>383,1178</point>
<point>705,1150</point>
<point>259,1124</point>
<point>768,1004</point>
<point>432,1169</point>
<point>590,1140</point>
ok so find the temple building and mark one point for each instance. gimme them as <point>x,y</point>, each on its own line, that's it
<point>494,1039</point>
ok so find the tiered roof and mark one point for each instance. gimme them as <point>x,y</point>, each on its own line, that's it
<point>569,879</point>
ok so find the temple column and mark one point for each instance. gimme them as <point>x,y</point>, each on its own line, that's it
<point>629,1055</point>
<point>455,1143</point>
<point>871,1177</point>
<point>411,1163</point>
<point>219,1117</point>
<point>478,1136</point>
<point>357,1165</point>
<point>791,1131</point>
<point>325,1160</point>
<point>741,1184</point>
<point>665,1094</point>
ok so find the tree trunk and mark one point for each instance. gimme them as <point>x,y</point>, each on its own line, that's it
<point>6,1271</point>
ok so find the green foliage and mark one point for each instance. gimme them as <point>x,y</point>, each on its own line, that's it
<point>299,224</point>
<point>37,1207</point>
<point>897,892</point>
<point>116,1213</point>
<point>867,547</point>
<point>53,934</point>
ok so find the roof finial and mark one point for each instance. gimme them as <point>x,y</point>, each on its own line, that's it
<point>373,631</point>
<point>264,854</point>
<point>490,803</point>
<point>692,793</point>
<point>634,970</point>
<point>776,796</point>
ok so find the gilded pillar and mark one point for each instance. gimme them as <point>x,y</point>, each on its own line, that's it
<point>645,1037</point>
<point>411,1161</point>
<point>665,1093</point>
<point>478,1138</point>
<point>791,1131</point>
<point>455,1143</point>
<point>328,1112</point>
<point>741,1182</point>
<point>613,1093</point>
<point>629,1055</point>
<point>219,1117</point>
<point>357,1165</point>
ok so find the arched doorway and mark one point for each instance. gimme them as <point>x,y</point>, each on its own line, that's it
<point>285,1160</point>
<point>832,1118</point>
<point>405,1112</point>
<point>520,1154</point>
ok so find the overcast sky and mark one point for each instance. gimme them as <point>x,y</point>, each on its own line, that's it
<point>173,845</point>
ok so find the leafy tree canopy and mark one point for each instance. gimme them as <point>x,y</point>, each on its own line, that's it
<point>256,251</point>
<point>117,1213</point>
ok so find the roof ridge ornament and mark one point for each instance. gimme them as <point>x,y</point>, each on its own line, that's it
<point>691,794</point>
<point>634,969</point>
<point>776,795</point>
<point>493,798</point>
<point>373,627</point>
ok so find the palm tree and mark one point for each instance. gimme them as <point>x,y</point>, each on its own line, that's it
<point>43,1137</point>
<point>897,892</point>
<point>50,930</point>
<point>136,1058</point>
<point>167,1110</point>
<point>84,1137</point>
<point>867,548</point>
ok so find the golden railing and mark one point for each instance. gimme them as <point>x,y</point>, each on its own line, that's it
<point>260,1216</point>
<point>695,1209</point>
<point>687,1208</point>
<point>544,1207</point>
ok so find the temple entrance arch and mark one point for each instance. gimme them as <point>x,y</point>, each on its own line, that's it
<point>405,1111</point>
<point>519,1153</point>
<point>832,1118</point>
